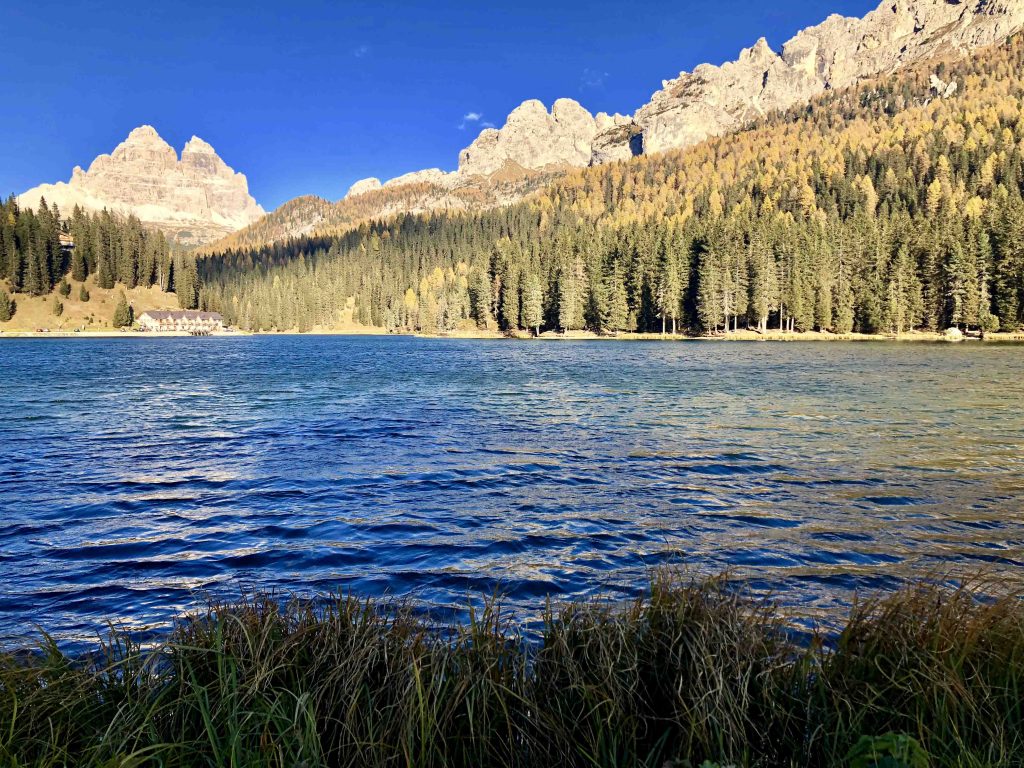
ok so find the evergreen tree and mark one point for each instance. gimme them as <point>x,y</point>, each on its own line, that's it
<point>7,307</point>
<point>124,316</point>
<point>764,280</point>
<point>670,287</point>
<point>533,303</point>
<point>617,315</point>
<point>480,296</point>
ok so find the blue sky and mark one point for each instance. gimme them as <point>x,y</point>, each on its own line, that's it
<point>306,97</point>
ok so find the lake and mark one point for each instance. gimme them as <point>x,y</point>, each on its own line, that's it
<point>138,476</point>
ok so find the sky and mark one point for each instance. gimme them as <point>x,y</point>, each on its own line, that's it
<point>306,97</point>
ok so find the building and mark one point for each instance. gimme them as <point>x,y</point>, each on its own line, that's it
<point>181,321</point>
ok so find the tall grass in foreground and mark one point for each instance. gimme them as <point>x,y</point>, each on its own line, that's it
<point>690,673</point>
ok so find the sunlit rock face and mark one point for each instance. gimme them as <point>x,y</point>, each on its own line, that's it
<point>838,52</point>
<point>533,138</point>
<point>194,199</point>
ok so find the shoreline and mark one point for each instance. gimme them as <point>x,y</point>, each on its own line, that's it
<point>930,337</point>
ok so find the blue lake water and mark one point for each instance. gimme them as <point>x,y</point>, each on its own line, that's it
<point>138,476</point>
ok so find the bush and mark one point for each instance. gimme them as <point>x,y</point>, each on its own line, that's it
<point>83,294</point>
<point>58,307</point>
<point>64,288</point>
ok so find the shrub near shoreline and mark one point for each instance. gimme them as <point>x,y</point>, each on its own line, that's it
<point>692,672</point>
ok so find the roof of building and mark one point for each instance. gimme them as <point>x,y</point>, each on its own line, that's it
<point>180,314</point>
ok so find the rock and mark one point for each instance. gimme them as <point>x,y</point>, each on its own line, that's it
<point>836,53</point>
<point>433,176</point>
<point>942,89</point>
<point>617,143</point>
<point>533,139</point>
<point>194,200</point>
<point>605,122</point>
<point>953,334</point>
<point>363,186</point>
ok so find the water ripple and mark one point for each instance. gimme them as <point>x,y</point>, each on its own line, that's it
<point>137,476</point>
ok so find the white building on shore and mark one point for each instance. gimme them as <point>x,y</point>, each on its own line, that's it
<point>181,321</point>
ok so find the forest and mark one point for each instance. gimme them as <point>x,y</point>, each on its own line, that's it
<point>878,209</point>
<point>111,248</point>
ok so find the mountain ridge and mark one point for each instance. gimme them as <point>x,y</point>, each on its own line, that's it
<point>194,198</point>
<point>709,101</point>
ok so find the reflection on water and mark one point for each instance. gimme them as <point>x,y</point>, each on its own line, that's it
<point>136,472</point>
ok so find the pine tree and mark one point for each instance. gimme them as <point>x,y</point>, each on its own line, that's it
<point>710,305</point>
<point>57,307</point>
<point>186,283</point>
<point>79,270</point>
<point>124,316</point>
<point>617,315</point>
<point>670,287</point>
<point>83,294</point>
<point>480,296</point>
<point>533,303</point>
<point>7,307</point>
<point>764,280</point>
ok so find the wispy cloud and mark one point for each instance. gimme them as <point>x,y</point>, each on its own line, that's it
<point>592,79</point>
<point>470,119</point>
<point>487,124</point>
<point>360,51</point>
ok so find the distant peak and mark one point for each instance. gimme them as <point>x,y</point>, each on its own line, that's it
<point>195,144</point>
<point>758,51</point>
<point>143,133</point>
<point>363,186</point>
<point>530,106</point>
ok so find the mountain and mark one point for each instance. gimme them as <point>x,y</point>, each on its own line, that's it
<point>710,101</point>
<point>194,199</point>
<point>838,52</point>
<point>890,205</point>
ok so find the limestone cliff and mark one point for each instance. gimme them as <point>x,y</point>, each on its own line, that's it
<point>838,52</point>
<point>194,199</point>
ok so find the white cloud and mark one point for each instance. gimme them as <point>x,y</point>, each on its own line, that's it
<point>592,79</point>
<point>360,51</point>
<point>469,118</point>
<point>487,124</point>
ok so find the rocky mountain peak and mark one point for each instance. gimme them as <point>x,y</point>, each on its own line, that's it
<point>363,186</point>
<point>195,199</point>
<point>834,54</point>
<point>144,134</point>
<point>533,139</point>
<point>197,145</point>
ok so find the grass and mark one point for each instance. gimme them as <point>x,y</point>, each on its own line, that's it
<point>36,312</point>
<point>691,673</point>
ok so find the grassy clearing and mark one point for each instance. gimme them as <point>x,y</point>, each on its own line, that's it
<point>690,673</point>
<point>96,314</point>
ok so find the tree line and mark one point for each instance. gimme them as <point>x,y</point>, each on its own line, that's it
<point>111,249</point>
